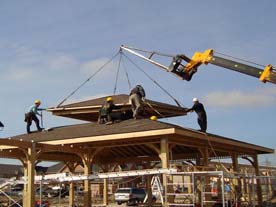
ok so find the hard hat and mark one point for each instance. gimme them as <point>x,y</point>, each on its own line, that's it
<point>195,99</point>
<point>153,118</point>
<point>37,102</point>
<point>108,99</point>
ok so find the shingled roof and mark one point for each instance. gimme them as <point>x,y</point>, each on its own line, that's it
<point>88,110</point>
<point>94,130</point>
<point>134,132</point>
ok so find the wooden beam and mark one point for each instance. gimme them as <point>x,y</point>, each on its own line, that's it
<point>123,136</point>
<point>15,143</point>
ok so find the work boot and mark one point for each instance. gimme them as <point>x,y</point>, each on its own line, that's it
<point>109,123</point>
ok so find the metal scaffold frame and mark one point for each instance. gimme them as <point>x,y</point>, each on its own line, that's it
<point>202,188</point>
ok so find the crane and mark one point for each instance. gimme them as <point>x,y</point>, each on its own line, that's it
<point>186,71</point>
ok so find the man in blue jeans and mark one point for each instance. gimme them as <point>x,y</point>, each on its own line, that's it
<point>136,98</point>
<point>201,113</point>
<point>31,115</point>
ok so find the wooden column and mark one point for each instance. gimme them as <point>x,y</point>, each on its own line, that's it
<point>87,163</point>
<point>105,192</point>
<point>71,166</point>
<point>206,180</point>
<point>25,190</point>
<point>30,198</point>
<point>164,156</point>
<point>257,172</point>
<point>71,194</point>
<point>237,181</point>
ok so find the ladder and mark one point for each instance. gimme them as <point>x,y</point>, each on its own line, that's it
<point>157,188</point>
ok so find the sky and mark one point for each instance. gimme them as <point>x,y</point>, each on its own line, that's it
<point>48,48</point>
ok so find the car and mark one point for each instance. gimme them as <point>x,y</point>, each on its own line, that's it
<point>131,196</point>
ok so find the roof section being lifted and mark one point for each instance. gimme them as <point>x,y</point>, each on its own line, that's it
<point>89,110</point>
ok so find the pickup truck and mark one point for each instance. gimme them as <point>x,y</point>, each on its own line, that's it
<point>131,196</point>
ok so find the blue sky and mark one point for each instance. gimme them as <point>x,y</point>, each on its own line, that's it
<point>47,48</point>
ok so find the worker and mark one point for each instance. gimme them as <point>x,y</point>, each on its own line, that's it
<point>31,115</point>
<point>105,113</point>
<point>202,117</point>
<point>136,98</point>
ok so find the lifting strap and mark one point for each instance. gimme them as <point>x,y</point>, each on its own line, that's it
<point>117,74</point>
<point>127,76</point>
<point>90,77</point>
<point>154,81</point>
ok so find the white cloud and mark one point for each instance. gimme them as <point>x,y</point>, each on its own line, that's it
<point>62,62</point>
<point>21,74</point>
<point>84,98</point>
<point>230,99</point>
<point>92,66</point>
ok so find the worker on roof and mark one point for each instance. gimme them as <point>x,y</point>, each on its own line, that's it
<point>136,98</point>
<point>31,115</point>
<point>201,113</point>
<point>106,116</point>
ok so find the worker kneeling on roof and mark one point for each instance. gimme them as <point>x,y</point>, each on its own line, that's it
<point>105,113</point>
<point>201,113</point>
<point>136,98</point>
<point>30,116</point>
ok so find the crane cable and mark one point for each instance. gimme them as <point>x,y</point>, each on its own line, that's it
<point>213,150</point>
<point>150,52</point>
<point>126,73</point>
<point>154,81</point>
<point>129,84</point>
<point>117,74</point>
<point>90,77</point>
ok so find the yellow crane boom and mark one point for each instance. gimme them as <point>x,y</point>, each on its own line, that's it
<point>186,71</point>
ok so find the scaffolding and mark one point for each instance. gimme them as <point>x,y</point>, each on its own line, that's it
<point>204,188</point>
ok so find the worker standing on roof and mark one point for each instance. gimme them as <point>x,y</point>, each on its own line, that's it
<point>136,98</point>
<point>30,116</point>
<point>201,113</point>
<point>105,112</point>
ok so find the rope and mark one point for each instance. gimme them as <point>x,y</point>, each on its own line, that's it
<point>118,70</point>
<point>154,81</point>
<point>150,52</point>
<point>127,76</point>
<point>94,74</point>
<point>155,110</point>
<point>211,146</point>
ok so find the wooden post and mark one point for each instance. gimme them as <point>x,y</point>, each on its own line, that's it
<point>71,166</point>
<point>71,194</point>
<point>30,198</point>
<point>105,192</point>
<point>205,163</point>
<point>87,163</point>
<point>25,190</point>
<point>257,172</point>
<point>164,156</point>
<point>238,190</point>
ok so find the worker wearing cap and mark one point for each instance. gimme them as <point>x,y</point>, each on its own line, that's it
<point>136,98</point>
<point>31,115</point>
<point>105,112</point>
<point>201,113</point>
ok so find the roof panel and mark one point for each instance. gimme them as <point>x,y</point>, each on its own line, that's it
<point>88,110</point>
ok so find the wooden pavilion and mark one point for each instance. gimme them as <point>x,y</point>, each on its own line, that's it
<point>128,141</point>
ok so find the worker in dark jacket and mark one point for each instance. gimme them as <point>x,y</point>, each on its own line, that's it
<point>136,98</point>
<point>105,112</point>
<point>31,115</point>
<point>202,117</point>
